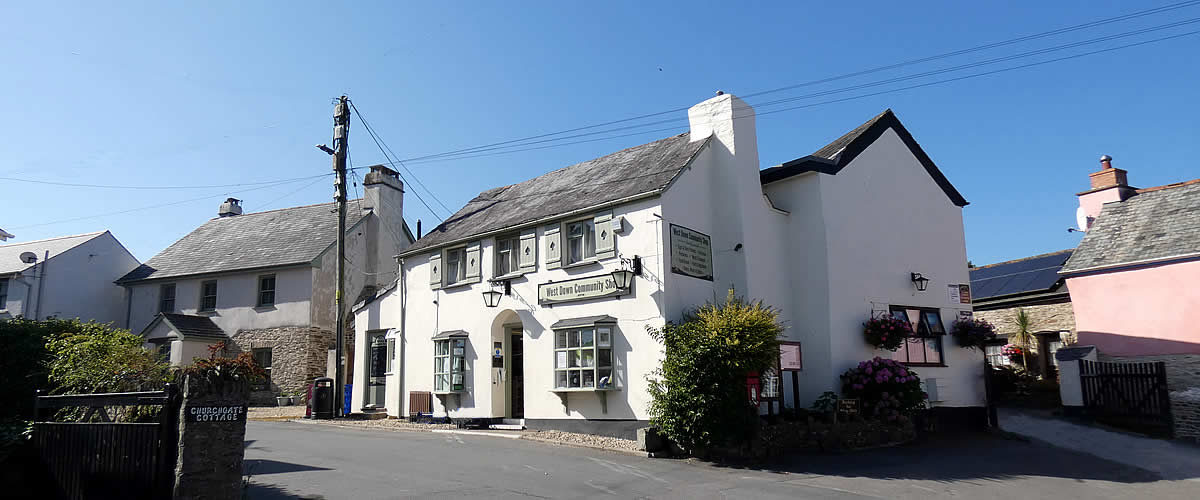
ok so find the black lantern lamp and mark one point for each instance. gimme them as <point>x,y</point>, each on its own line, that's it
<point>491,298</point>
<point>920,282</point>
<point>623,277</point>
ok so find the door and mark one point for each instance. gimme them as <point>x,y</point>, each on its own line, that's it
<point>517,369</point>
<point>377,372</point>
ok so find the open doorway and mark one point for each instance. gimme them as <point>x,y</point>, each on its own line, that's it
<point>516,370</point>
<point>378,357</point>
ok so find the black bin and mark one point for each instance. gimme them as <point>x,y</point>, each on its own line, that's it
<point>322,398</point>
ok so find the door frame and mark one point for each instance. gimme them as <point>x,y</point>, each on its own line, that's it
<point>512,330</point>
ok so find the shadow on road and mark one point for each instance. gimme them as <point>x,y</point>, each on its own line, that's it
<point>256,491</point>
<point>260,467</point>
<point>957,458</point>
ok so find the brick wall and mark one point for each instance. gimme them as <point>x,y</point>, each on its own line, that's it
<point>1053,317</point>
<point>1185,406</point>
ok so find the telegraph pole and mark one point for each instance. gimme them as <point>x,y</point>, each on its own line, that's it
<point>341,132</point>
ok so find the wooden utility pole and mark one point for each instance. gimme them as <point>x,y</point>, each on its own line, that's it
<point>341,132</point>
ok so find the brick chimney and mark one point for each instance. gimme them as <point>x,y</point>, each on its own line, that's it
<point>230,208</point>
<point>1109,184</point>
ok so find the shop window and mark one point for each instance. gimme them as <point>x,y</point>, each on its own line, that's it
<point>924,345</point>
<point>449,363</point>
<point>166,298</point>
<point>583,358</point>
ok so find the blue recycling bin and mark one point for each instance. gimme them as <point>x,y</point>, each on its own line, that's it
<point>346,399</point>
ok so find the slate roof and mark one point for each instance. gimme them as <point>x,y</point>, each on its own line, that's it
<point>1038,273</point>
<point>833,157</point>
<point>190,326</point>
<point>1156,224</point>
<point>639,170</point>
<point>274,238</point>
<point>10,254</point>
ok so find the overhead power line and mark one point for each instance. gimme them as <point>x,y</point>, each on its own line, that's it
<point>524,140</point>
<point>113,186</point>
<point>386,150</point>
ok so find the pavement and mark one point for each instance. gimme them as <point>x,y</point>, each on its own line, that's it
<point>1169,459</point>
<point>291,460</point>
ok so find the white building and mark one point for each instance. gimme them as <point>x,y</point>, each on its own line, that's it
<point>829,239</point>
<point>265,281</point>
<point>65,277</point>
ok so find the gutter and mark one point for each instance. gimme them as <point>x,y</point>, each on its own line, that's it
<point>1136,263</point>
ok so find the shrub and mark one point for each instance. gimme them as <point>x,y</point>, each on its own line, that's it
<point>218,369</point>
<point>973,333</point>
<point>23,358</point>
<point>97,358</point>
<point>886,332</point>
<point>886,389</point>
<point>698,395</point>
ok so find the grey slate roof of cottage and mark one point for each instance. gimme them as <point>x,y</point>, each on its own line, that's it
<point>833,157</point>
<point>10,261</point>
<point>1155,224</point>
<point>639,170</point>
<point>274,238</point>
<point>1038,273</point>
<point>189,326</point>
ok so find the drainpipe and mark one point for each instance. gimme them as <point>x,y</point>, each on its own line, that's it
<point>37,311</point>
<point>128,305</point>
<point>400,378</point>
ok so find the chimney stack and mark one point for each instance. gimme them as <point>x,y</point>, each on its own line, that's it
<point>1109,184</point>
<point>230,208</point>
<point>1108,176</point>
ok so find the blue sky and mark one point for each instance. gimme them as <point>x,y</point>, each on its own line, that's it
<point>223,93</point>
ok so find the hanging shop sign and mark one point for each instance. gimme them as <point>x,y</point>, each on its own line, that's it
<point>216,413</point>
<point>691,253</point>
<point>591,287</point>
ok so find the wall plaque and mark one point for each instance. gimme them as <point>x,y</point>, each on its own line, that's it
<point>691,253</point>
<point>847,407</point>
<point>216,413</point>
<point>591,287</point>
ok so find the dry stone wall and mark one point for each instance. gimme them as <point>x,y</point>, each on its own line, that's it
<point>1185,407</point>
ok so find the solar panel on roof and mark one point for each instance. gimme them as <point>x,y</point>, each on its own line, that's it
<point>1022,276</point>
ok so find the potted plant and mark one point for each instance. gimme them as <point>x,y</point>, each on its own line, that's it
<point>973,333</point>
<point>283,399</point>
<point>886,331</point>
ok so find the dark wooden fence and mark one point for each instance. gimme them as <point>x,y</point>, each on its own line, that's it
<point>1128,395</point>
<point>92,456</point>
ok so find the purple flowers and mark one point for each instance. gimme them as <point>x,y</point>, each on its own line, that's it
<point>885,387</point>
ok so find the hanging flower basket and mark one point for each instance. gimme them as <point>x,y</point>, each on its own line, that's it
<point>973,333</point>
<point>886,332</point>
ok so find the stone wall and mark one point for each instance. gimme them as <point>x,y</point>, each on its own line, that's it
<point>1044,317</point>
<point>1185,406</point>
<point>298,355</point>
<point>211,453</point>
<point>1183,370</point>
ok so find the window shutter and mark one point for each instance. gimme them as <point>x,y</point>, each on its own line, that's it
<point>553,247</point>
<point>528,258</point>
<point>472,263</point>
<point>435,271</point>
<point>606,247</point>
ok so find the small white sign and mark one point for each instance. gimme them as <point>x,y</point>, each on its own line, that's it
<point>953,289</point>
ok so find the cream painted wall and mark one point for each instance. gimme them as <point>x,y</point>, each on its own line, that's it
<point>885,218</point>
<point>236,298</point>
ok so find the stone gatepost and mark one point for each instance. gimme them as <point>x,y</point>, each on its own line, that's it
<point>212,430</point>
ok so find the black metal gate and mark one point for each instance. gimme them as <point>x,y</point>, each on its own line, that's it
<point>1128,395</point>
<point>94,456</point>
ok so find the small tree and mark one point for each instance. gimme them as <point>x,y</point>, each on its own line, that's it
<point>1022,335</point>
<point>97,358</point>
<point>699,396</point>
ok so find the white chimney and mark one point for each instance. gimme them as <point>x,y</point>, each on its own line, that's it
<point>230,208</point>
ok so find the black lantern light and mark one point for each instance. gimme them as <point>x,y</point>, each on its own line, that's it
<point>491,298</point>
<point>920,282</point>
<point>623,277</point>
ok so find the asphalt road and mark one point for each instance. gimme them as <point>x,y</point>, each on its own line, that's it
<point>297,460</point>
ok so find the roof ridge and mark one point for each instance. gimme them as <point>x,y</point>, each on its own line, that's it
<point>1168,186</point>
<point>284,208</point>
<point>1022,259</point>
<point>94,233</point>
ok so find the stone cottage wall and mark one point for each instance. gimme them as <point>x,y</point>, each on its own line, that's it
<point>298,355</point>
<point>1185,406</point>
<point>1044,317</point>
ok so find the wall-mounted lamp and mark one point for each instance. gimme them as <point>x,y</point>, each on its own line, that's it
<point>491,298</point>
<point>623,277</point>
<point>920,282</point>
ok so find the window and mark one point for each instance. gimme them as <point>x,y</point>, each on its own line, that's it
<point>391,354</point>
<point>581,241</point>
<point>208,296</point>
<point>583,358</point>
<point>995,355</point>
<point>924,347</point>
<point>448,356</point>
<point>166,298</point>
<point>266,290</point>
<point>163,349</point>
<point>508,253</point>
<point>262,357</point>
<point>3,293</point>
<point>1052,347</point>
<point>456,269</point>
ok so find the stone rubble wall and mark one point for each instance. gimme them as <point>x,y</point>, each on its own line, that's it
<point>1183,370</point>
<point>1185,407</point>
<point>298,355</point>
<point>1044,317</point>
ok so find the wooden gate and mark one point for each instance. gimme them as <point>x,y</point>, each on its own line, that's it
<point>1128,395</point>
<point>93,456</point>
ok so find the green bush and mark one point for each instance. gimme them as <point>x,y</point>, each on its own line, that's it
<point>887,389</point>
<point>698,396</point>
<point>97,358</point>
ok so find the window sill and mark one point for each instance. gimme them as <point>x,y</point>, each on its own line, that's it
<point>583,389</point>
<point>206,313</point>
<point>510,276</point>
<point>264,308</point>
<point>582,263</point>
<point>928,365</point>
<point>460,284</point>
<point>447,393</point>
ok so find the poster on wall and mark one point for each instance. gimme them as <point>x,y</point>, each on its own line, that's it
<point>953,289</point>
<point>790,357</point>
<point>964,294</point>
<point>691,253</point>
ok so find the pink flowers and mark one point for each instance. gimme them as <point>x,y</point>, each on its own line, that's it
<point>885,387</point>
<point>886,332</point>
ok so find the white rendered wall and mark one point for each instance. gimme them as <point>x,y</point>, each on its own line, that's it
<point>78,284</point>
<point>885,217</point>
<point>236,298</point>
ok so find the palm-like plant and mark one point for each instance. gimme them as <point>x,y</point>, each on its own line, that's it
<point>1022,335</point>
